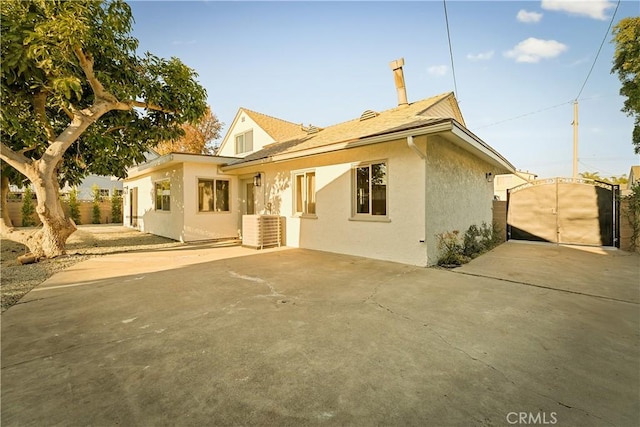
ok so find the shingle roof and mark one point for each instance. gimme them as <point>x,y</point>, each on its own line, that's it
<point>400,118</point>
<point>277,129</point>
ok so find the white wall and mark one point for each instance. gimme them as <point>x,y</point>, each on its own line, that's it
<point>457,192</point>
<point>162,223</point>
<point>208,225</point>
<point>183,222</point>
<point>397,239</point>
<point>260,137</point>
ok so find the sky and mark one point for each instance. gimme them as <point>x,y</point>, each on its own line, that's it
<point>519,65</point>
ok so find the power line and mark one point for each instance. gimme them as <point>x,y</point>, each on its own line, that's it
<point>453,69</point>
<point>599,49</point>
<point>525,115</point>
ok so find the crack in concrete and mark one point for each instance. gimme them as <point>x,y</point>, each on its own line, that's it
<point>546,287</point>
<point>74,347</point>
<point>488,365</point>
<point>273,291</point>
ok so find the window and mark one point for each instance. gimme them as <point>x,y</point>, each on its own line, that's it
<point>213,195</point>
<point>370,189</point>
<point>305,193</point>
<point>117,192</point>
<point>244,142</point>
<point>104,192</point>
<point>163,196</point>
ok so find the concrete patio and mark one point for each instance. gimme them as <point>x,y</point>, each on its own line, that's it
<point>230,336</point>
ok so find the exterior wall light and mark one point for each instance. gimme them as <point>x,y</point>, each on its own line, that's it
<point>257,180</point>
<point>489,176</point>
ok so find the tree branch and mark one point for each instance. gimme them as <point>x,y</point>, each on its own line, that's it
<point>86,63</point>
<point>67,111</point>
<point>17,160</point>
<point>39,103</point>
<point>113,129</point>
<point>24,150</point>
<point>128,105</point>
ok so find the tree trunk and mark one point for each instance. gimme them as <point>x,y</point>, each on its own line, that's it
<point>6,219</point>
<point>49,241</point>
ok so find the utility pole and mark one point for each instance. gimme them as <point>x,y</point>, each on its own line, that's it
<point>575,139</point>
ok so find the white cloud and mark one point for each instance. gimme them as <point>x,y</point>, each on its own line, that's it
<point>524,16</point>
<point>595,9</point>
<point>482,56</point>
<point>437,70</point>
<point>532,50</point>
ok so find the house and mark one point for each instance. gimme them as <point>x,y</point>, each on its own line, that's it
<point>504,182</point>
<point>382,185</point>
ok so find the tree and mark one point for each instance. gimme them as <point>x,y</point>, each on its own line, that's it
<point>74,207</point>
<point>95,207</point>
<point>198,137</point>
<point>591,175</point>
<point>116,206</point>
<point>77,99</point>
<point>626,62</point>
<point>27,209</point>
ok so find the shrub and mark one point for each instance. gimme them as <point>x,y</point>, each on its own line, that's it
<point>476,241</point>
<point>28,208</point>
<point>633,215</point>
<point>95,211</point>
<point>116,207</point>
<point>451,250</point>
<point>472,243</point>
<point>74,207</point>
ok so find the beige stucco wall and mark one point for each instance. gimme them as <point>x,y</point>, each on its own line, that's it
<point>208,225</point>
<point>183,222</point>
<point>397,239</point>
<point>162,223</point>
<point>457,192</point>
<point>260,137</point>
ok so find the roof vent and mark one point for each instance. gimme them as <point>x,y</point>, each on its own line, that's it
<point>368,114</point>
<point>313,129</point>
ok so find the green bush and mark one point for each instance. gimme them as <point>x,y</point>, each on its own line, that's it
<point>476,241</point>
<point>95,211</point>
<point>116,207</point>
<point>472,243</point>
<point>451,250</point>
<point>74,207</point>
<point>633,215</point>
<point>28,208</point>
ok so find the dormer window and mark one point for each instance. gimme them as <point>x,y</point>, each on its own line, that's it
<point>244,142</point>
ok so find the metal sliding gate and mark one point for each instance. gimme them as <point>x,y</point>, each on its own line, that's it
<point>565,210</point>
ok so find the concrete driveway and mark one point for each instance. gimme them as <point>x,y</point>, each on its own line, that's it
<point>231,336</point>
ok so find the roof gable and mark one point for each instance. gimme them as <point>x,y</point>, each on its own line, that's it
<point>415,114</point>
<point>278,129</point>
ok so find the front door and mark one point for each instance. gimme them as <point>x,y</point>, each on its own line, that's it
<point>249,198</point>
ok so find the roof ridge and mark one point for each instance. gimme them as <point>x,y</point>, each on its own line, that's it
<point>271,117</point>
<point>397,107</point>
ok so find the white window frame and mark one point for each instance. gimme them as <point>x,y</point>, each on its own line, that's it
<point>308,202</point>
<point>368,216</point>
<point>155,195</point>
<point>214,182</point>
<point>242,148</point>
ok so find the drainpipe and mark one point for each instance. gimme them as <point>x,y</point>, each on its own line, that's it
<point>413,146</point>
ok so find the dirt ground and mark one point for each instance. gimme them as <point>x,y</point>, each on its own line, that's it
<point>88,241</point>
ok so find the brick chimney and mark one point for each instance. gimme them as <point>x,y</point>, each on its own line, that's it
<point>398,75</point>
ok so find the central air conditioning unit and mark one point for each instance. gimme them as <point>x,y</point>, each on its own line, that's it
<point>261,231</point>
